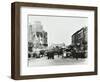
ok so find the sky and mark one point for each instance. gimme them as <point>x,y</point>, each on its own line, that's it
<point>59,28</point>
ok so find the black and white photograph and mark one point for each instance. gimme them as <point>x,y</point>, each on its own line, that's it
<point>53,40</point>
<point>57,40</point>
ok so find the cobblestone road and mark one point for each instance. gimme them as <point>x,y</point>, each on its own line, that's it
<point>43,61</point>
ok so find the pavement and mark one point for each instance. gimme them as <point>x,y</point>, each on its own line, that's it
<point>44,61</point>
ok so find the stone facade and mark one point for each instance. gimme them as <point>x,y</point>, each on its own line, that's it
<point>37,35</point>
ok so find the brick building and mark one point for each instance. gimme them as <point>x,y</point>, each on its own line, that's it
<point>79,39</point>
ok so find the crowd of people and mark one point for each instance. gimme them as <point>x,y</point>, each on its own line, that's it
<point>69,52</point>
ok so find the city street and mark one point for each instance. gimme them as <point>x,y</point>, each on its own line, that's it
<point>44,61</point>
